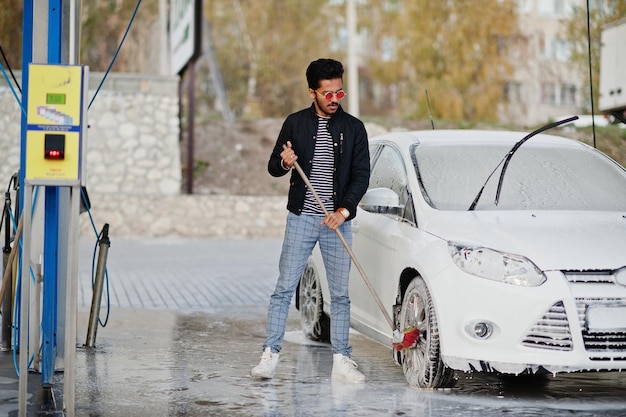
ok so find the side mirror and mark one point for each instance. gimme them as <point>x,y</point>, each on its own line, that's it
<point>381,200</point>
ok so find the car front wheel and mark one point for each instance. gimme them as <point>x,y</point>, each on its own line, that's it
<point>422,364</point>
<point>315,323</point>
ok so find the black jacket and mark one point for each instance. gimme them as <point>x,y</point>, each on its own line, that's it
<point>352,162</point>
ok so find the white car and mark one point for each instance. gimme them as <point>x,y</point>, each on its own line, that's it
<point>514,272</point>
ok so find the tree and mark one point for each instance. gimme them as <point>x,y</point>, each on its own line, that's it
<point>103,25</point>
<point>264,47</point>
<point>11,33</point>
<point>575,29</point>
<point>455,49</point>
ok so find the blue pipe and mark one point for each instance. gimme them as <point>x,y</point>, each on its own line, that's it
<point>51,228</point>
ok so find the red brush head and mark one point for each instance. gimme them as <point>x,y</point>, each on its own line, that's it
<point>409,339</point>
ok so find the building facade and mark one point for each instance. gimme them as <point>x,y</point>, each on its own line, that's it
<point>545,85</point>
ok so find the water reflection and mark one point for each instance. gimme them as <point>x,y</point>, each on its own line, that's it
<point>197,365</point>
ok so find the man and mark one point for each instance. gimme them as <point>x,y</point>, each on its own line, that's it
<point>332,149</point>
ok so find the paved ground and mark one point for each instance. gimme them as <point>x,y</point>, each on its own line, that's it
<point>186,325</point>
<point>149,284</point>
<point>184,274</point>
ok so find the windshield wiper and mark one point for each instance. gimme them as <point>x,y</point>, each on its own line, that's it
<point>509,155</point>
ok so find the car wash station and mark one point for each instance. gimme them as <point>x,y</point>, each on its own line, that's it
<point>39,287</point>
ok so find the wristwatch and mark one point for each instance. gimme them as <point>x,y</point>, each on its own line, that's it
<point>344,212</point>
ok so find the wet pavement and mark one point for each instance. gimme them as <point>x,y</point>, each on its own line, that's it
<point>186,325</point>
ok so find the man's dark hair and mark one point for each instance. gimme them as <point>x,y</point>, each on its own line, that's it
<point>323,69</point>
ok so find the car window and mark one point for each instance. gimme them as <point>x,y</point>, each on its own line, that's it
<point>388,171</point>
<point>539,177</point>
<point>374,152</point>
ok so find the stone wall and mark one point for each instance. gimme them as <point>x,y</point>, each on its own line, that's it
<point>134,166</point>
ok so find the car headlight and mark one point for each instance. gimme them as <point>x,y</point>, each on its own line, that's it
<point>497,266</point>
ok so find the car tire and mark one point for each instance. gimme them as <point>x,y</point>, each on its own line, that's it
<point>422,364</point>
<point>315,322</point>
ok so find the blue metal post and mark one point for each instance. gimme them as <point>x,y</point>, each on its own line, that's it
<point>27,57</point>
<point>51,228</point>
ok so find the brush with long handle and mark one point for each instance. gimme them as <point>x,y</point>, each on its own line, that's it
<point>400,339</point>
<point>6,278</point>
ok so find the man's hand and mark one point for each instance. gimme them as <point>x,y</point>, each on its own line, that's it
<point>288,156</point>
<point>334,220</point>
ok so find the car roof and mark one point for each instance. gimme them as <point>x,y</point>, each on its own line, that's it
<point>468,136</point>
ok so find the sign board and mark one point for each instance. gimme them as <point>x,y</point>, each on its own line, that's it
<point>184,36</point>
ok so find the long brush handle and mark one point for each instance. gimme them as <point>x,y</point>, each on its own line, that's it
<point>9,267</point>
<point>345,244</point>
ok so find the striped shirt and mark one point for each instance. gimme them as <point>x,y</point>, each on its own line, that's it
<point>321,176</point>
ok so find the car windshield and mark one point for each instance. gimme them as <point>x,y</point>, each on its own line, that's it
<point>539,177</point>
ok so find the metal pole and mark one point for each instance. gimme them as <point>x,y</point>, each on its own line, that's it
<point>69,374</point>
<point>25,198</point>
<point>191,108</point>
<point>353,65</point>
<point>24,302</point>
<point>71,287</point>
<point>96,298</point>
<point>51,229</point>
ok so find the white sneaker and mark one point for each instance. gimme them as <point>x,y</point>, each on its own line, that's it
<point>344,368</point>
<point>267,366</point>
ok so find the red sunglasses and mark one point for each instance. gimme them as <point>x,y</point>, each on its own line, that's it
<point>329,94</point>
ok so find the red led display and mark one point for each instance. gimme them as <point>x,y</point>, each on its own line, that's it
<point>54,146</point>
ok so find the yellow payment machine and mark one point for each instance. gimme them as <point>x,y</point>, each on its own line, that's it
<point>55,154</point>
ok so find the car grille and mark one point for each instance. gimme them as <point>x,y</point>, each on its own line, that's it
<point>598,344</point>
<point>604,276</point>
<point>601,345</point>
<point>551,331</point>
